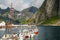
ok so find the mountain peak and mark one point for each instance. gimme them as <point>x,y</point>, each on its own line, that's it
<point>33,9</point>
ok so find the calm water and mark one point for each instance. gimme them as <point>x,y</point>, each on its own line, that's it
<point>45,32</point>
<point>49,33</point>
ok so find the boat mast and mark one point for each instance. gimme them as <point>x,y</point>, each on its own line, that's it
<point>11,15</point>
<point>9,25</point>
<point>11,12</point>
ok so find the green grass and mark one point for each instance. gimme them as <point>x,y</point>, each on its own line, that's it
<point>24,22</point>
<point>50,20</point>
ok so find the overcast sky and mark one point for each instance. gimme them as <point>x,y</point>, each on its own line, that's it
<point>20,4</point>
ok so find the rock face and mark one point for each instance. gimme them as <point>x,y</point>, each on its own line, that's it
<point>59,8</point>
<point>40,14</point>
<point>52,8</point>
<point>49,7</point>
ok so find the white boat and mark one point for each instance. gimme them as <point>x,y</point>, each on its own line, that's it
<point>21,37</point>
<point>6,36</point>
<point>36,29</point>
<point>2,29</point>
<point>29,33</point>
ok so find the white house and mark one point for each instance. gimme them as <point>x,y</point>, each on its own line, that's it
<point>2,23</point>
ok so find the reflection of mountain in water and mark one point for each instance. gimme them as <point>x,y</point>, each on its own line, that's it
<point>8,31</point>
<point>1,33</point>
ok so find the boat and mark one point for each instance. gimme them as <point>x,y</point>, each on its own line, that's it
<point>2,29</point>
<point>6,36</point>
<point>21,37</point>
<point>26,34</point>
<point>36,31</point>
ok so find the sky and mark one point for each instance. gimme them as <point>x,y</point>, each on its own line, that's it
<point>20,4</point>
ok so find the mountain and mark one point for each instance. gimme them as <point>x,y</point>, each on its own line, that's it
<point>18,16</point>
<point>4,15</point>
<point>2,11</point>
<point>33,9</point>
<point>48,14</point>
<point>28,12</point>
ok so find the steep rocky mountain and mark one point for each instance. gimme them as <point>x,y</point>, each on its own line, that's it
<point>39,15</point>
<point>47,13</point>
<point>28,12</point>
<point>32,9</point>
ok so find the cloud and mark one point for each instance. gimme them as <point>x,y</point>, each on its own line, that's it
<point>21,7</point>
<point>37,3</point>
<point>3,6</point>
<point>20,4</point>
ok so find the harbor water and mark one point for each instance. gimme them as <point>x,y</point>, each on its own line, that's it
<point>44,32</point>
